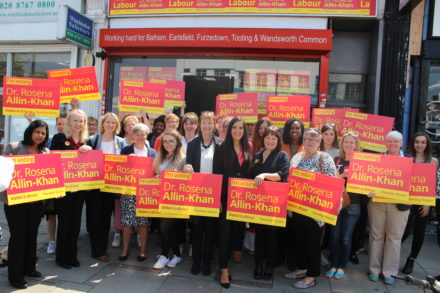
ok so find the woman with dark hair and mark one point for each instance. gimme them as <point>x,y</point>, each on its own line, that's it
<point>260,127</point>
<point>329,143</point>
<point>69,208</point>
<point>24,219</point>
<point>158,128</point>
<point>188,128</point>
<point>293,137</point>
<point>420,149</point>
<point>231,159</point>
<point>270,164</point>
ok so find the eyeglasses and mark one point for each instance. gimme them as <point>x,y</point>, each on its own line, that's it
<point>350,133</point>
<point>273,128</point>
<point>311,140</point>
<point>329,124</point>
<point>313,129</point>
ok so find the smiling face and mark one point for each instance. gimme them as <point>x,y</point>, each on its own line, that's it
<point>60,124</point>
<point>393,145</point>
<point>190,127</point>
<point>38,135</point>
<point>311,142</point>
<point>420,144</point>
<point>128,126</point>
<point>349,144</point>
<point>295,130</point>
<point>237,131</point>
<point>159,127</point>
<point>169,143</point>
<point>172,124</point>
<point>76,123</point>
<point>140,137</point>
<point>207,126</point>
<point>262,128</point>
<point>92,126</point>
<point>110,125</point>
<point>328,137</point>
<point>270,142</point>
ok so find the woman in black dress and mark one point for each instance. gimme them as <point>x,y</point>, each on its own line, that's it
<point>270,164</point>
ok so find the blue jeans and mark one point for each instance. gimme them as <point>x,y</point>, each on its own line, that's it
<point>341,235</point>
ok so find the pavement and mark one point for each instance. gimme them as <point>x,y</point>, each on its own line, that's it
<point>132,276</point>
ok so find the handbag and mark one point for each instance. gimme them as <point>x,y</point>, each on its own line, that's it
<point>345,195</point>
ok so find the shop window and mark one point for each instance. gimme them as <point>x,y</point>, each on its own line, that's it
<point>347,89</point>
<point>35,65</point>
<point>201,72</point>
<point>432,126</point>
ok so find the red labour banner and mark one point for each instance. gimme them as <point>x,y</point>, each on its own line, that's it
<point>288,39</point>
<point>322,116</point>
<point>244,105</point>
<point>135,96</point>
<point>282,108</point>
<point>174,92</point>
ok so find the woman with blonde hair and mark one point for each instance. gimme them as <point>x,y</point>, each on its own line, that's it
<point>171,157</point>
<point>69,208</point>
<point>100,205</point>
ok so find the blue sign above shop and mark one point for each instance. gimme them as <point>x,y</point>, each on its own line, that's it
<point>74,27</point>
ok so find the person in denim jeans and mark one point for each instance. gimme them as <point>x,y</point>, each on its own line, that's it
<point>341,234</point>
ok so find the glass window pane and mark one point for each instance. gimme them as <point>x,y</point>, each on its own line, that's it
<point>2,68</point>
<point>346,88</point>
<point>432,126</point>
<point>35,65</point>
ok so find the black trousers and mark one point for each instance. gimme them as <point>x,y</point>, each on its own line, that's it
<point>181,227</point>
<point>168,235</point>
<point>228,230</point>
<point>23,221</point>
<point>265,244</point>
<point>100,206</point>
<point>308,244</point>
<point>203,231</point>
<point>69,210</point>
<point>417,224</point>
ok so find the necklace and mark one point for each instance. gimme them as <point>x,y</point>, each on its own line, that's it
<point>209,145</point>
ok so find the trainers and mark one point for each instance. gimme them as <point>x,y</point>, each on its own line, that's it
<point>116,240</point>
<point>174,261</point>
<point>139,240</point>
<point>51,248</point>
<point>161,262</point>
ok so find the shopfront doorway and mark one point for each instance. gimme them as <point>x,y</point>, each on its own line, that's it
<point>201,91</point>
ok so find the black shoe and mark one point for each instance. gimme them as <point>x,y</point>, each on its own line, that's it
<point>123,257</point>
<point>437,278</point>
<point>268,272</point>
<point>354,258</point>
<point>258,273</point>
<point>226,285</point>
<point>34,274</point>
<point>141,258</point>
<point>206,268</point>
<point>195,269</point>
<point>64,266</point>
<point>19,285</point>
<point>408,268</point>
<point>76,264</point>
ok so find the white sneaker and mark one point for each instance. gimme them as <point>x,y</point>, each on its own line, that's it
<point>139,240</point>
<point>161,262</point>
<point>174,261</point>
<point>51,248</point>
<point>116,240</point>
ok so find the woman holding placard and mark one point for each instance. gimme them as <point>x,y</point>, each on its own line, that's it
<point>420,148</point>
<point>171,123</point>
<point>329,143</point>
<point>24,219</point>
<point>128,202</point>
<point>384,248</point>
<point>171,157</point>
<point>341,234</point>
<point>293,137</point>
<point>307,230</point>
<point>69,208</point>
<point>270,164</point>
<point>100,205</point>
<point>188,128</point>
<point>199,158</point>
<point>260,127</point>
<point>231,159</point>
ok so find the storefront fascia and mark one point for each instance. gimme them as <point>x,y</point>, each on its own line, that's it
<point>305,44</point>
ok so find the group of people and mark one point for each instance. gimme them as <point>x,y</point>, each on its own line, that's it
<point>217,145</point>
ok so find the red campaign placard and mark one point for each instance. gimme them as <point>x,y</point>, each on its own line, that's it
<point>265,204</point>
<point>134,73</point>
<point>121,172</point>
<point>386,176</point>
<point>79,83</point>
<point>279,39</point>
<point>422,189</point>
<point>135,96</point>
<point>315,195</point>
<point>174,92</point>
<point>321,116</point>
<point>82,170</point>
<point>243,104</point>
<point>282,108</point>
<point>23,95</point>
<point>293,82</point>
<point>260,80</point>
<point>168,73</point>
<point>147,200</point>
<point>195,194</point>
<point>346,8</point>
<point>371,129</point>
<point>36,177</point>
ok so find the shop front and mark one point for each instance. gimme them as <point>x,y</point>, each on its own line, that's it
<point>213,61</point>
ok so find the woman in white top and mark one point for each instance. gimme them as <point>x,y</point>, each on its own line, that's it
<point>329,142</point>
<point>189,128</point>
<point>170,157</point>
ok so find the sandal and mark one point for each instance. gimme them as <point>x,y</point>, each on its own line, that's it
<point>330,273</point>
<point>293,275</point>
<point>303,285</point>
<point>339,274</point>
